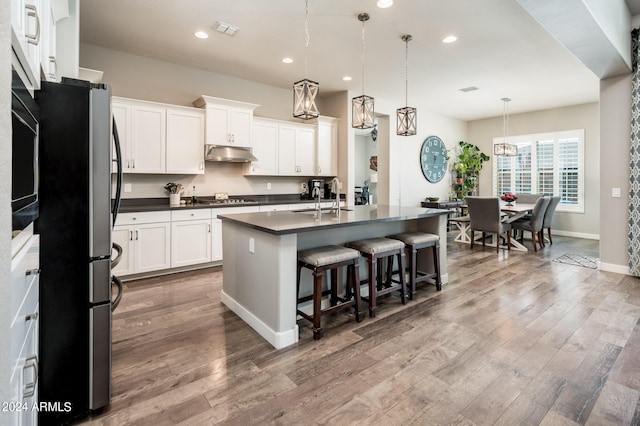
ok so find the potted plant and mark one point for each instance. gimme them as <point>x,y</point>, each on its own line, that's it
<point>468,165</point>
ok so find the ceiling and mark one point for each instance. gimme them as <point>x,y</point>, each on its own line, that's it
<point>501,49</point>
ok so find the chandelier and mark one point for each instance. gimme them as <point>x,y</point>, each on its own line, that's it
<point>305,91</point>
<point>406,118</point>
<point>362,108</point>
<point>505,149</point>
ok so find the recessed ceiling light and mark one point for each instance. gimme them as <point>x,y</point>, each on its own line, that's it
<point>449,39</point>
<point>287,60</point>
<point>347,78</point>
<point>383,4</point>
<point>201,34</point>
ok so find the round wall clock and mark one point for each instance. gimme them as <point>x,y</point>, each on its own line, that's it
<point>433,159</point>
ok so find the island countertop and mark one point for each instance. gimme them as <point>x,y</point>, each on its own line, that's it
<point>289,222</point>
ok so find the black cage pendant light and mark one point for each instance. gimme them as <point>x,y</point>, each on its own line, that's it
<point>407,117</point>
<point>505,149</point>
<point>362,111</point>
<point>305,91</point>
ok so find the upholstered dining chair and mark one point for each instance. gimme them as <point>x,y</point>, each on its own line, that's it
<point>548,218</point>
<point>534,223</point>
<point>528,198</point>
<point>485,216</point>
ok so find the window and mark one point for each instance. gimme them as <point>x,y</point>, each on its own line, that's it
<point>548,164</point>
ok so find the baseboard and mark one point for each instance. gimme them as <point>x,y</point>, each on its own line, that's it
<point>277,339</point>
<point>575,234</point>
<point>610,267</point>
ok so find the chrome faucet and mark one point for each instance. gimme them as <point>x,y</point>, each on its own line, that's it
<point>335,189</point>
<point>315,193</point>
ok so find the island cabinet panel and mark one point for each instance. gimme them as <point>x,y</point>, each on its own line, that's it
<point>296,150</point>
<point>260,252</point>
<point>264,146</point>
<point>216,240</point>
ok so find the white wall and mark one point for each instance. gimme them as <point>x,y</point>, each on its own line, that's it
<point>148,79</point>
<point>586,116</point>
<point>615,122</point>
<point>5,205</point>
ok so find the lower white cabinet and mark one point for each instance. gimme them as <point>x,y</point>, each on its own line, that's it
<point>191,234</point>
<point>216,239</point>
<point>146,242</point>
<point>24,333</point>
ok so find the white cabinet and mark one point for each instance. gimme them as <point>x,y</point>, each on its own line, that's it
<point>264,146</point>
<point>185,140</point>
<point>227,122</point>
<point>52,12</point>
<point>326,146</point>
<point>146,242</point>
<point>296,150</point>
<point>216,239</point>
<point>24,352</point>
<point>190,237</point>
<point>26,38</point>
<point>159,138</point>
<point>275,208</point>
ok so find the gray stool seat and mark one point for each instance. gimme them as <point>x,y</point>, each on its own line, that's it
<point>415,241</point>
<point>376,250</point>
<point>329,258</point>
<point>376,245</point>
<point>322,256</point>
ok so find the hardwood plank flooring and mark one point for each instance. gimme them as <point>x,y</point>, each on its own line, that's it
<point>513,339</point>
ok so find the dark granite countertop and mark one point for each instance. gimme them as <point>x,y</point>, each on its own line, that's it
<point>289,222</point>
<point>133,205</point>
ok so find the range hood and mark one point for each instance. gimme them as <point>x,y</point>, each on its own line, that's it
<point>232,154</point>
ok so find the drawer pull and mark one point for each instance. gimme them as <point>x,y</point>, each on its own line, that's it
<point>30,387</point>
<point>35,271</point>
<point>33,316</point>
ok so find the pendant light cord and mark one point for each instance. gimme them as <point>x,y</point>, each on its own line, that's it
<point>363,51</point>
<point>306,35</point>
<point>406,69</point>
<point>505,120</point>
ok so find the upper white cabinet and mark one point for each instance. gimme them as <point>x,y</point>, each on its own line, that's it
<point>26,39</point>
<point>159,138</point>
<point>185,140</point>
<point>227,122</point>
<point>264,146</point>
<point>326,146</point>
<point>296,150</point>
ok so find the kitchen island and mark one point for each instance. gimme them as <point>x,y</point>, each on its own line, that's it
<point>260,256</point>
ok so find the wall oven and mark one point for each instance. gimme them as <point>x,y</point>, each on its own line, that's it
<point>24,155</point>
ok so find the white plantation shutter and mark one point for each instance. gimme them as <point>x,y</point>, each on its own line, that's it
<point>548,164</point>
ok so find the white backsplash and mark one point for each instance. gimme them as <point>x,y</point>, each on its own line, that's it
<point>218,177</point>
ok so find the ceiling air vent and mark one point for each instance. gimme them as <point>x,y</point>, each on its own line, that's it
<point>468,89</point>
<point>224,28</point>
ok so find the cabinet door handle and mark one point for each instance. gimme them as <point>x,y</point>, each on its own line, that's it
<point>136,235</point>
<point>53,67</point>
<point>30,387</point>
<point>35,271</point>
<point>33,316</point>
<point>133,163</point>
<point>209,227</point>
<point>130,235</point>
<point>32,12</point>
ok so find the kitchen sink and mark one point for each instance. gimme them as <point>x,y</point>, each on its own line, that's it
<point>325,210</point>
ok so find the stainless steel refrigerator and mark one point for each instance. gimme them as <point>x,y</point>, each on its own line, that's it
<point>76,212</point>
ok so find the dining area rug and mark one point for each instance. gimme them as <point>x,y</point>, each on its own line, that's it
<point>578,260</point>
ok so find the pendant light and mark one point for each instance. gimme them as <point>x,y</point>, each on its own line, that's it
<point>505,149</point>
<point>362,111</point>
<point>406,117</point>
<point>305,91</point>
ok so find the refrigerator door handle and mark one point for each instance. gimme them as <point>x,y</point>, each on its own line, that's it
<point>116,203</point>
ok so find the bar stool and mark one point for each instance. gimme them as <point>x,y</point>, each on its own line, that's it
<point>322,259</point>
<point>415,241</point>
<point>375,250</point>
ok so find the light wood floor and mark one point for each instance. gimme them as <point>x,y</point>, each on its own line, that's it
<point>513,339</point>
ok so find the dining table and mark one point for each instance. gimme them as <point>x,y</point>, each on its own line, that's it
<point>511,213</point>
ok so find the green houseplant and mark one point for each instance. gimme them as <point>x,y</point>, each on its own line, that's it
<point>469,162</point>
